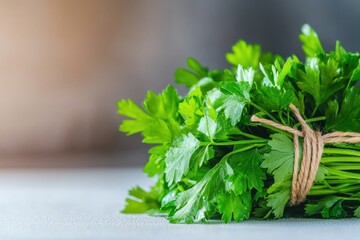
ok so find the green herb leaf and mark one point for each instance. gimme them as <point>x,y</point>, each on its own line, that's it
<point>245,54</point>
<point>178,158</point>
<point>231,99</point>
<point>247,172</point>
<point>233,207</point>
<point>311,43</point>
<point>140,201</point>
<point>357,212</point>
<point>157,122</point>
<point>280,161</point>
<point>279,196</point>
<point>348,118</point>
<point>329,207</point>
<point>156,164</point>
<point>188,77</point>
<point>197,203</point>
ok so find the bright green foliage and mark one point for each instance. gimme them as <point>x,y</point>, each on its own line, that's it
<point>157,122</point>
<point>195,204</point>
<point>247,172</point>
<point>245,54</point>
<point>156,164</point>
<point>329,207</point>
<point>202,155</point>
<point>233,207</point>
<point>178,158</point>
<point>191,108</point>
<point>275,74</point>
<point>231,99</point>
<point>140,118</point>
<point>213,162</point>
<point>207,126</point>
<point>192,76</point>
<point>356,74</point>
<point>141,201</point>
<point>311,43</point>
<point>272,98</point>
<point>348,118</point>
<point>279,196</point>
<point>280,161</point>
<point>357,212</point>
<point>320,79</point>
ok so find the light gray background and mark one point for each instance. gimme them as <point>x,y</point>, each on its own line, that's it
<point>85,204</point>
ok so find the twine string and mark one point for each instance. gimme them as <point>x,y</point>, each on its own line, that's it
<point>313,146</point>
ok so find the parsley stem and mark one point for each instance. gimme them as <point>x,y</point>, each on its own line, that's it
<point>351,199</point>
<point>281,118</point>
<point>341,181</point>
<point>242,150</point>
<point>240,142</point>
<point>342,151</point>
<point>264,111</point>
<point>315,109</point>
<point>324,189</point>
<point>316,119</point>
<point>327,191</point>
<point>248,135</point>
<point>350,167</point>
<point>340,160</point>
<point>347,146</point>
<point>343,173</point>
<point>288,116</point>
<point>277,130</point>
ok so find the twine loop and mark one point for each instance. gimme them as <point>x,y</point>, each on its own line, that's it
<point>313,145</point>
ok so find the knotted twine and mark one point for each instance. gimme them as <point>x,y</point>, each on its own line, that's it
<point>313,146</point>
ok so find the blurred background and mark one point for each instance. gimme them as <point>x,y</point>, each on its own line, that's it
<point>64,64</point>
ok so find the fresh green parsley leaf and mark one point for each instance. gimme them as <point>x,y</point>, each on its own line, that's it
<point>245,54</point>
<point>348,62</point>
<point>201,156</point>
<point>271,98</point>
<point>348,118</point>
<point>178,158</point>
<point>194,65</point>
<point>193,76</point>
<point>192,108</point>
<point>278,73</point>
<point>248,174</point>
<point>318,79</point>
<point>164,105</point>
<point>328,207</point>
<point>311,43</point>
<point>140,118</point>
<point>159,131</point>
<point>245,75</point>
<point>231,99</point>
<point>356,74</point>
<point>197,203</point>
<point>207,126</point>
<point>158,121</point>
<point>156,164</point>
<point>279,196</point>
<point>141,201</point>
<point>280,161</point>
<point>357,212</point>
<point>233,207</point>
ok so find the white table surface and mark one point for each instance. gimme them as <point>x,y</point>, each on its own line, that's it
<point>85,204</point>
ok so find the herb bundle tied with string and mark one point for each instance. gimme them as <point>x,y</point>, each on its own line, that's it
<point>270,137</point>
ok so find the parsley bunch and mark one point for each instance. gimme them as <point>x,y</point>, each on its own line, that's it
<point>212,162</point>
